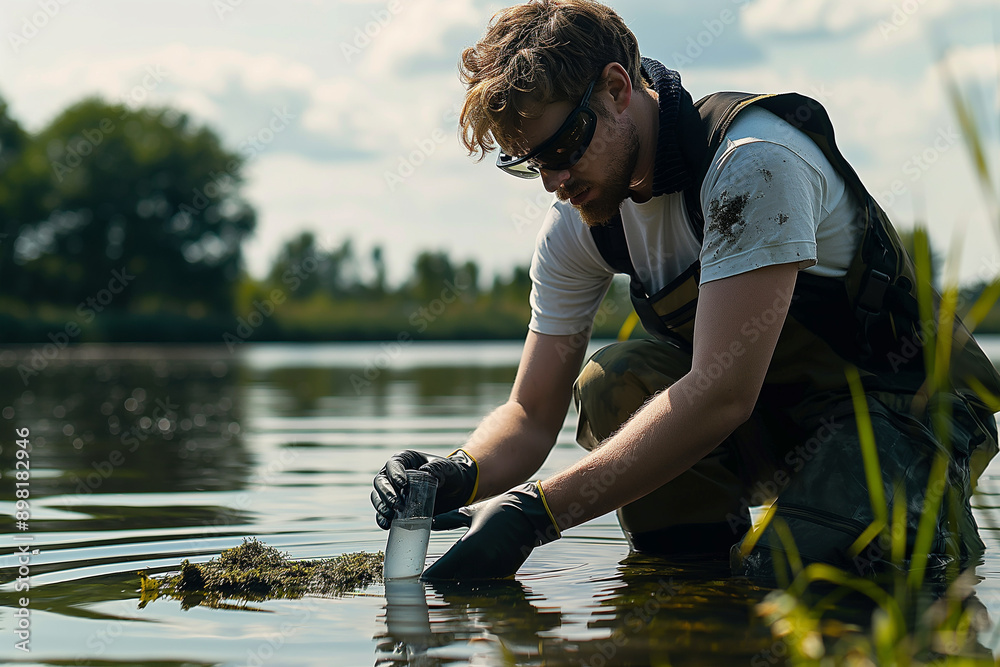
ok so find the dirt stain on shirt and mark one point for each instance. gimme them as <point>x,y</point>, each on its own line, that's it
<point>726,213</point>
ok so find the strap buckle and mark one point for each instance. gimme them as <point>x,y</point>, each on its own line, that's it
<point>872,296</point>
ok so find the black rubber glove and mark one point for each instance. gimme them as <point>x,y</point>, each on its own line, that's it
<point>457,476</point>
<point>502,532</point>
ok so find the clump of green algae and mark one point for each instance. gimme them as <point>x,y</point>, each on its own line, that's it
<point>255,571</point>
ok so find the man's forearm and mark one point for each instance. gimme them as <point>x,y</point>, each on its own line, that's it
<point>663,439</point>
<point>509,447</point>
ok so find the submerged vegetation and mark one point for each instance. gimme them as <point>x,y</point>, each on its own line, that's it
<point>254,571</point>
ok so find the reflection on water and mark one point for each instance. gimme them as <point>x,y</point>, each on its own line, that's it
<point>649,611</point>
<point>146,455</point>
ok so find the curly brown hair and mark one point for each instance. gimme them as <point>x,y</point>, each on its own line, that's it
<point>532,55</point>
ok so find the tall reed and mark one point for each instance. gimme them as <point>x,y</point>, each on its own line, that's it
<point>912,623</point>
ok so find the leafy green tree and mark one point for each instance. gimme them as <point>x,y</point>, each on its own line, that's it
<point>378,261</point>
<point>13,139</point>
<point>515,289</point>
<point>297,265</point>
<point>21,195</point>
<point>341,277</point>
<point>143,193</point>
<point>303,268</point>
<point>431,270</point>
<point>468,273</point>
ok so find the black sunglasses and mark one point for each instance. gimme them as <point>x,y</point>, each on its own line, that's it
<point>560,151</point>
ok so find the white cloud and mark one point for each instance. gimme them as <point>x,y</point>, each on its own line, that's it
<point>972,65</point>
<point>208,69</point>
<point>767,17</point>
<point>198,104</point>
<point>383,115</point>
<point>380,113</point>
<point>195,78</point>
<point>790,17</point>
<point>447,203</point>
<point>392,101</point>
<point>419,29</point>
<point>866,110</point>
<point>897,129</point>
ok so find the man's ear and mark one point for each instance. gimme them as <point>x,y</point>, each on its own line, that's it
<point>618,86</point>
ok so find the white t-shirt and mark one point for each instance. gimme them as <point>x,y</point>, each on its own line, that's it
<point>770,197</point>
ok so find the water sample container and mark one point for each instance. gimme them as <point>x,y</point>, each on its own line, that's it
<point>411,529</point>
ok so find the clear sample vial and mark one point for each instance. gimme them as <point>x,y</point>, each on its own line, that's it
<point>411,529</point>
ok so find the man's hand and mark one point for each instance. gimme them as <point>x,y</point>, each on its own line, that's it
<point>457,476</point>
<point>502,532</point>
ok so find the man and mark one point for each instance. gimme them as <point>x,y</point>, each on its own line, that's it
<point>766,273</point>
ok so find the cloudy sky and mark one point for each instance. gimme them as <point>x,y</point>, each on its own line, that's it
<point>370,150</point>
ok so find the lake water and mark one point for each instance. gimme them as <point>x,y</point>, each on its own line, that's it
<point>142,456</point>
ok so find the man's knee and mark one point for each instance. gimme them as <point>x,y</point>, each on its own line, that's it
<point>649,363</point>
<point>618,379</point>
<point>596,379</point>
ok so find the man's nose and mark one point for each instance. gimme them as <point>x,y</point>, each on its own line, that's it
<point>552,179</point>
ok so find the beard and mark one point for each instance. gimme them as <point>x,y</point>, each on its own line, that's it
<point>615,188</point>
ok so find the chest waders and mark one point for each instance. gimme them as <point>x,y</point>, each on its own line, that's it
<point>801,445</point>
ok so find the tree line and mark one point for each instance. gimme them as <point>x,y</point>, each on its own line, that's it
<point>128,223</point>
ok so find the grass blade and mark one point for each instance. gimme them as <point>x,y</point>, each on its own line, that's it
<point>866,437</point>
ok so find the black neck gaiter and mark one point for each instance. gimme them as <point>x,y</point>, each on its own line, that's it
<point>680,135</point>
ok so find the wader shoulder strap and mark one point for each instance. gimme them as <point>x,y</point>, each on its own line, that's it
<point>717,112</point>
<point>611,243</point>
<point>610,240</point>
<point>878,283</point>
